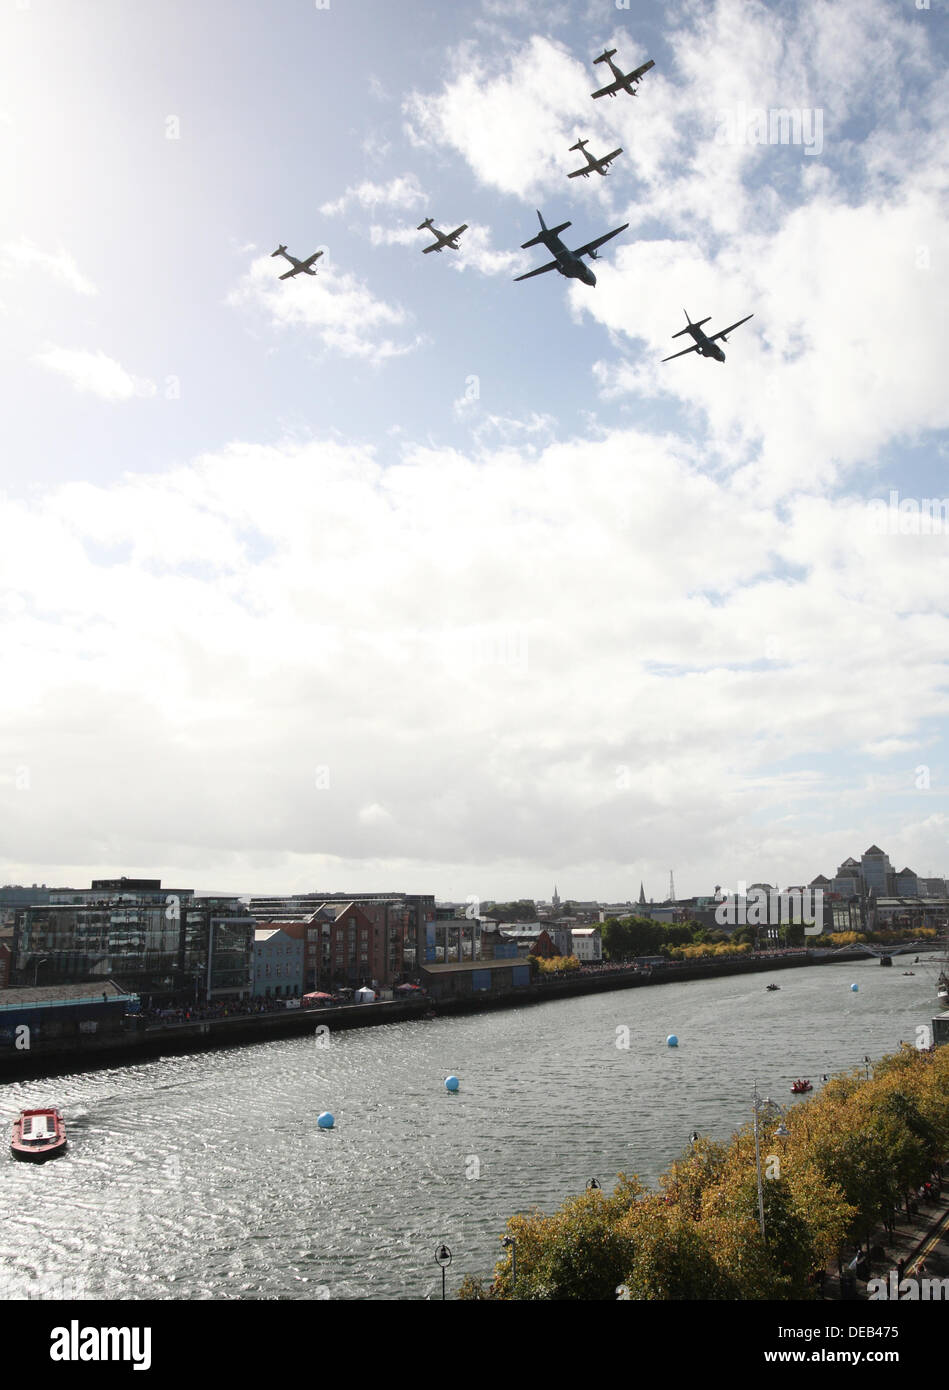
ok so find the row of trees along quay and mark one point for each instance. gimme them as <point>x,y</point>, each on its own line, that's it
<point>837,1166</point>
<point>627,937</point>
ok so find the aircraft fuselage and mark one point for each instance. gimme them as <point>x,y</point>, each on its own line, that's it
<point>568,264</point>
<point>705,345</point>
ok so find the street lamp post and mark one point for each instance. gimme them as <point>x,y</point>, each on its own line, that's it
<point>36,967</point>
<point>782,1132</point>
<point>509,1241</point>
<point>758,1167</point>
<point>443,1258</point>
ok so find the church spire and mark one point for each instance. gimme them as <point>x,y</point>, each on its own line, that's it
<point>642,894</point>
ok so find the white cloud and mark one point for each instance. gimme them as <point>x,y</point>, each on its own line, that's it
<point>393,236</point>
<point>401,192</point>
<point>19,257</point>
<point>95,373</point>
<point>502,659</point>
<point>342,310</point>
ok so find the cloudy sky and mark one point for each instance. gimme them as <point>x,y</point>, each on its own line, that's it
<point>405,576</point>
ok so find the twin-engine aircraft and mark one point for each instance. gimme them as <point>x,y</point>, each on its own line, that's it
<point>449,239</point>
<point>601,166</point>
<point>567,262</point>
<point>703,345</point>
<point>306,267</point>
<point>622,82</point>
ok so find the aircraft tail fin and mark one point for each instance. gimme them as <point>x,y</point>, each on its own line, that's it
<point>423,226</point>
<point>279,251</point>
<point>544,233</point>
<point>697,324</point>
<point>579,145</point>
<point>605,55</point>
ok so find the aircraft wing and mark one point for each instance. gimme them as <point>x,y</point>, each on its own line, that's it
<point>288,274</point>
<point>458,231</point>
<point>551,265</point>
<point>608,158</point>
<point>723,331</point>
<point>607,91</point>
<point>310,259</point>
<point>592,245</point>
<point>435,246</point>
<point>577,172</point>
<point>693,348</point>
<point>635,76</point>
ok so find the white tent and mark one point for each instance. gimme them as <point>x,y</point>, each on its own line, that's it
<point>365,995</point>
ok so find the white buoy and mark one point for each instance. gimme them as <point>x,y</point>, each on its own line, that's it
<point>672,1040</point>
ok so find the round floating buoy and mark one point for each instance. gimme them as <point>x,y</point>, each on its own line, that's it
<point>326,1120</point>
<point>452,1083</point>
<point>672,1040</point>
<point>854,988</point>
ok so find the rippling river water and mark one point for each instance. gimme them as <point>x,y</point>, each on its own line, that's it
<point>206,1177</point>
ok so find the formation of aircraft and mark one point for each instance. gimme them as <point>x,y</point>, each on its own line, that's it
<point>306,267</point>
<point>622,81</point>
<point>705,345</point>
<point>449,239</point>
<point>600,165</point>
<point>567,262</point>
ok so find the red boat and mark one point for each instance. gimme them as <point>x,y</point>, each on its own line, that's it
<point>800,1087</point>
<point>38,1134</point>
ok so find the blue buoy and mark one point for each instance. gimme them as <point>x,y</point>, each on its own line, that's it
<point>672,1040</point>
<point>452,1083</point>
<point>855,988</point>
<point>326,1120</point>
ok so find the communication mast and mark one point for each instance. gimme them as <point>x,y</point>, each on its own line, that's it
<point>672,888</point>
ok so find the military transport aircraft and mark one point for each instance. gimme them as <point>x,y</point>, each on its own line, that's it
<point>623,82</point>
<point>600,165</point>
<point>705,346</point>
<point>298,266</point>
<point>449,239</point>
<point>568,263</point>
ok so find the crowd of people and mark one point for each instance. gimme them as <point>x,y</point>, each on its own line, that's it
<point>198,1013</point>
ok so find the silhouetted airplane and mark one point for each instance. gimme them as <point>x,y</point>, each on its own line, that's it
<point>623,82</point>
<point>568,263</point>
<point>703,345</point>
<point>449,239</point>
<point>298,266</point>
<point>600,165</point>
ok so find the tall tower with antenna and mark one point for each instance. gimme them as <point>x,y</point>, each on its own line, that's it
<point>672,888</point>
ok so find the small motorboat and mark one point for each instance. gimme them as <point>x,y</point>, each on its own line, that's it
<point>771,987</point>
<point>909,972</point>
<point>800,1087</point>
<point>38,1134</point>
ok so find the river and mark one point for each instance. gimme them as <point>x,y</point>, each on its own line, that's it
<point>206,1176</point>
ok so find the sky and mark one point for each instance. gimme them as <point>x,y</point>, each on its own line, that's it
<point>406,577</point>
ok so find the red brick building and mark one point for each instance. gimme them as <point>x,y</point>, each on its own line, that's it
<point>383,945</point>
<point>343,945</point>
